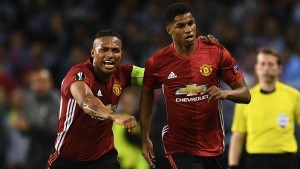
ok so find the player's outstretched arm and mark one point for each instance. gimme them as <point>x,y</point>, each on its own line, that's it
<point>95,108</point>
<point>235,149</point>
<point>146,103</point>
<point>239,93</point>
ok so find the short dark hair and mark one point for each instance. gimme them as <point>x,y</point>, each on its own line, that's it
<point>108,32</point>
<point>272,52</point>
<point>174,10</point>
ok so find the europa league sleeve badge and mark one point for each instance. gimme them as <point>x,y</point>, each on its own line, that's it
<point>80,76</point>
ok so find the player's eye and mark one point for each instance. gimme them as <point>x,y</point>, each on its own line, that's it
<point>191,23</point>
<point>179,25</point>
<point>103,49</point>
<point>116,50</point>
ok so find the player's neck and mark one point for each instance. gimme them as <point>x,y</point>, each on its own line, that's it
<point>268,87</point>
<point>185,50</point>
<point>103,76</point>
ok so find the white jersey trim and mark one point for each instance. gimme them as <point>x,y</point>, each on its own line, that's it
<point>68,121</point>
<point>221,113</point>
<point>60,107</point>
<point>164,131</point>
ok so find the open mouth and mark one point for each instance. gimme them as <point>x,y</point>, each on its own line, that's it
<point>189,37</point>
<point>108,64</point>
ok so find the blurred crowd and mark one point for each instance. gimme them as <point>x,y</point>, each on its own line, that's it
<point>41,39</point>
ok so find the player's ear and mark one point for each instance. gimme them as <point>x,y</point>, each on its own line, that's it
<point>168,27</point>
<point>92,52</point>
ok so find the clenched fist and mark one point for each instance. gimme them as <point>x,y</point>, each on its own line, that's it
<point>126,121</point>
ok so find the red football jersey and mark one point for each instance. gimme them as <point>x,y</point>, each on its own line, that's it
<point>194,125</point>
<point>80,137</point>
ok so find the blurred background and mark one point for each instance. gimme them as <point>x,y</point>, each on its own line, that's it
<point>41,39</point>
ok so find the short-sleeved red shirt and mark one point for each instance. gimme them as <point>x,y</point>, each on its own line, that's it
<point>80,137</point>
<point>194,125</point>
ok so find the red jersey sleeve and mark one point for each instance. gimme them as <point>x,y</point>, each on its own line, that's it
<point>76,73</point>
<point>151,76</point>
<point>229,70</point>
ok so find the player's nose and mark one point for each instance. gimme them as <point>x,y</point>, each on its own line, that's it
<point>187,29</point>
<point>109,53</point>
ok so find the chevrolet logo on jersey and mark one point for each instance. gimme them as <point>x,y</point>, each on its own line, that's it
<point>191,90</point>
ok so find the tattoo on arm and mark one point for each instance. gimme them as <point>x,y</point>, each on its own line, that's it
<point>93,110</point>
<point>110,116</point>
<point>81,105</point>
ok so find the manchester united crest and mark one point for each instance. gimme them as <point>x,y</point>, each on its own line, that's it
<point>206,69</point>
<point>117,89</point>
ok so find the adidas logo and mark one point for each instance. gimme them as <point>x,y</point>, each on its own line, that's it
<point>99,93</point>
<point>172,75</point>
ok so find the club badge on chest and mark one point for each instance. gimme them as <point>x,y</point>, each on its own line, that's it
<point>206,69</point>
